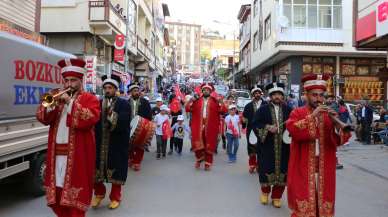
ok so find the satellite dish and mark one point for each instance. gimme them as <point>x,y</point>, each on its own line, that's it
<point>283,21</point>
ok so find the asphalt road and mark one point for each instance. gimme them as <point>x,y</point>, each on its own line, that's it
<point>172,188</point>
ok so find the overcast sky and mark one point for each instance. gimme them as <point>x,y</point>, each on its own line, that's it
<point>205,12</point>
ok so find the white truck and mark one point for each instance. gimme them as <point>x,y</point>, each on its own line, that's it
<point>27,70</point>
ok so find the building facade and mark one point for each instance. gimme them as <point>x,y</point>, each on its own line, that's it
<point>244,66</point>
<point>371,33</point>
<point>294,37</point>
<point>89,29</point>
<point>21,18</point>
<point>188,39</point>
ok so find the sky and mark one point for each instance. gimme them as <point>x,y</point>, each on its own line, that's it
<point>205,12</point>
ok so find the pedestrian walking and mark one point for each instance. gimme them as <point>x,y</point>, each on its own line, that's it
<point>71,153</point>
<point>161,120</point>
<point>311,173</point>
<point>272,151</point>
<point>112,140</point>
<point>179,130</point>
<point>155,110</point>
<point>233,133</point>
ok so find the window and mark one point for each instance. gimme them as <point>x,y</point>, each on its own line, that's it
<point>255,41</point>
<point>299,15</point>
<point>314,13</point>
<point>267,27</point>
<point>325,16</point>
<point>255,10</point>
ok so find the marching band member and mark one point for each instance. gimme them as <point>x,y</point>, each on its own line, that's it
<point>141,107</point>
<point>112,142</point>
<point>312,165</point>
<point>272,152</point>
<point>205,118</point>
<point>248,116</point>
<point>70,163</point>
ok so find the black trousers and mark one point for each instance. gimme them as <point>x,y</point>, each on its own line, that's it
<point>173,121</point>
<point>161,145</point>
<point>366,132</point>
<point>178,143</point>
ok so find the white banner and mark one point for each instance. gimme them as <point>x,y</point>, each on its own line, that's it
<point>90,79</point>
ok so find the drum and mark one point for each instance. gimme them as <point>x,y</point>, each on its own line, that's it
<point>286,137</point>
<point>142,131</point>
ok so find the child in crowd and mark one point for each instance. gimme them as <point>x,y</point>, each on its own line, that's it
<point>161,120</point>
<point>233,133</point>
<point>179,130</point>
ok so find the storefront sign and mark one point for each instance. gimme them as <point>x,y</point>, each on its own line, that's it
<point>119,48</point>
<point>91,80</point>
<point>382,18</point>
<point>30,36</point>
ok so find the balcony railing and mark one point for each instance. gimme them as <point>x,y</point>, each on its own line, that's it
<point>143,48</point>
<point>104,11</point>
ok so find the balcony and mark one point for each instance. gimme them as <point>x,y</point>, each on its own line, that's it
<point>145,51</point>
<point>105,19</point>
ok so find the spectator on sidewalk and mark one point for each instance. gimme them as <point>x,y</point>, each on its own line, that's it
<point>366,117</point>
<point>384,133</point>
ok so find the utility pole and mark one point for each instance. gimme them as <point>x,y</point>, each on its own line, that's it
<point>234,53</point>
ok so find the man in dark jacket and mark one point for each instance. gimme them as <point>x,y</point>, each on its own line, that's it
<point>248,116</point>
<point>139,106</point>
<point>112,138</point>
<point>366,119</point>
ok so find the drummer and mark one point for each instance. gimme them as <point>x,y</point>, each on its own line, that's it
<point>141,107</point>
<point>273,153</point>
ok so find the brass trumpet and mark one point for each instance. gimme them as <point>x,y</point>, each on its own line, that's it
<point>343,126</point>
<point>49,99</point>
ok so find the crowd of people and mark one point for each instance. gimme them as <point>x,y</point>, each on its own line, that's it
<point>291,143</point>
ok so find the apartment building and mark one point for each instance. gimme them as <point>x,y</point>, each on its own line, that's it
<point>88,29</point>
<point>188,39</point>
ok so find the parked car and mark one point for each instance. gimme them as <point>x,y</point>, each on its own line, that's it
<point>243,98</point>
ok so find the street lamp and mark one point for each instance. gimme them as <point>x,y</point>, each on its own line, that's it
<point>234,50</point>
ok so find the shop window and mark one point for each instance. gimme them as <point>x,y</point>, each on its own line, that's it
<point>360,78</point>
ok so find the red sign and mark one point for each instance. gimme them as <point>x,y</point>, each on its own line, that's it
<point>366,27</point>
<point>119,48</point>
<point>119,55</point>
<point>382,12</point>
<point>119,42</point>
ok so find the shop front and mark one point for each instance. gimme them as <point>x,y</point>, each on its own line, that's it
<point>361,79</point>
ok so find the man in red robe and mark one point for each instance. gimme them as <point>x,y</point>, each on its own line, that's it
<point>205,118</point>
<point>71,150</point>
<point>312,164</point>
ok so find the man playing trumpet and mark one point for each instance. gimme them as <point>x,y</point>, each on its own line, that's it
<point>70,161</point>
<point>272,152</point>
<point>315,133</point>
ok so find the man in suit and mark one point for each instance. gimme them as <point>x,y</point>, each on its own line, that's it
<point>366,116</point>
